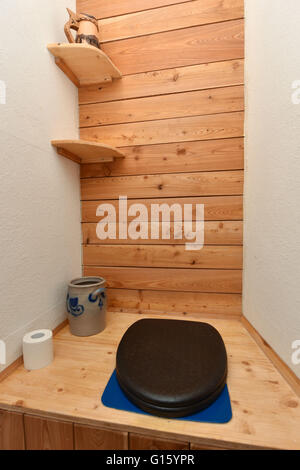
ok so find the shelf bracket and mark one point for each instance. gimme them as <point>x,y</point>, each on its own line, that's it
<point>69,155</point>
<point>63,66</point>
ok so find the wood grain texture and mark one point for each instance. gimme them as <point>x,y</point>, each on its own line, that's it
<point>281,366</point>
<point>184,15</point>
<point>19,361</point>
<point>164,131</point>
<point>9,369</point>
<point>139,442</point>
<point>67,71</point>
<point>91,438</point>
<point>207,155</point>
<point>216,207</point>
<point>194,77</point>
<point>174,185</point>
<point>105,8</point>
<point>206,447</point>
<point>48,434</point>
<point>266,411</point>
<point>224,281</point>
<point>160,256</point>
<point>215,233</point>
<point>190,46</point>
<point>192,103</point>
<point>166,302</point>
<point>11,431</point>
<point>82,151</point>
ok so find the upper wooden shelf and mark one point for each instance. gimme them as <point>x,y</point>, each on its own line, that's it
<point>82,151</point>
<point>84,64</point>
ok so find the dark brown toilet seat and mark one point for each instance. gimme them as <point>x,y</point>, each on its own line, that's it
<point>171,368</point>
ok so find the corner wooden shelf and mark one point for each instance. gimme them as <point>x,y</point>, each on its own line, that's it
<point>83,151</point>
<point>84,64</point>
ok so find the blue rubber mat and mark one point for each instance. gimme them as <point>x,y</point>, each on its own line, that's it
<point>218,412</point>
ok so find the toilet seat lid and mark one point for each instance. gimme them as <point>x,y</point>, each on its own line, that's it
<point>171,363</point>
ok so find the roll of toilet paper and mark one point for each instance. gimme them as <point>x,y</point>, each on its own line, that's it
<point>37,349</point>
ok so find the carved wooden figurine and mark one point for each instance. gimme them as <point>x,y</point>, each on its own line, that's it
<point>86,26</point>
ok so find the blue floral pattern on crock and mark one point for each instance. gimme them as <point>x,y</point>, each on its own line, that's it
<point>101,299</point>
<point>73,306</point>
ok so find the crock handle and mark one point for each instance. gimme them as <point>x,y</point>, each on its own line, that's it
<point>71,24</point>
<point>95,294</point>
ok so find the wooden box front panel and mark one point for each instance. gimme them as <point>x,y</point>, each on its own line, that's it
<point>11,431</point>
<point>90,438</point>
<point>48,434</point>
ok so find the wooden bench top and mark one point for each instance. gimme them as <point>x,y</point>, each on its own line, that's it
<point>266,411</point>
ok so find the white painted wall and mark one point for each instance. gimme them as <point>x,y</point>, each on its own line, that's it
<point>272,188</point>
<point>39,191</point>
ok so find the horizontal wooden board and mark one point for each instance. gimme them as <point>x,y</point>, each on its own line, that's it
<point>191,103</point>
<point>215,208</point>
<point>147,301</point>
<point>175,185</point>
<point>161,256</point>
<point>190,46</point>
<point>194,77</point>
<point>205,155</point>
<point>215,233</point>
<point>187,280</point>
<point>178,16</point>
<point>216,126</point>
<point>106,8</point>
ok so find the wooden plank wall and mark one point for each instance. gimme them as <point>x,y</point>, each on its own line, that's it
<point>177,114</point>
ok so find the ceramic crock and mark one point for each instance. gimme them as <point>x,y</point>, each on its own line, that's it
<point>86,306</point>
